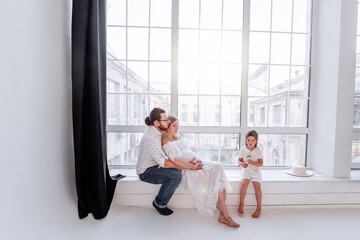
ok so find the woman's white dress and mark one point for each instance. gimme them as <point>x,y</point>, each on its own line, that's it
<point>204,184</point>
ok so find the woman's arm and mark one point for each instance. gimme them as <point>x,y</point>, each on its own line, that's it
<point>186,165</point>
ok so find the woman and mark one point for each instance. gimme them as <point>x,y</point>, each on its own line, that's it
<point>208,185</point>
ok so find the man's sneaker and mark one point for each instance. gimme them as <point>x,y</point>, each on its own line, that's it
<point>163,211</point>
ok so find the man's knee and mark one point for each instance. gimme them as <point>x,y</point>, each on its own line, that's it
<point>177,176</point>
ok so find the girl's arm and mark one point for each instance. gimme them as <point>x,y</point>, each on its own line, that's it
<point>242,163</point>
<point>257,164</point>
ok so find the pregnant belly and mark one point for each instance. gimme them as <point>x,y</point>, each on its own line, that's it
<point>188,155</point>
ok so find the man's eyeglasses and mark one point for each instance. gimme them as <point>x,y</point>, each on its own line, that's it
<point>165,120</point>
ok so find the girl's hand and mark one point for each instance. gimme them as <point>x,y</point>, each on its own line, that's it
<point>251,162</point>
<point>243,164</point>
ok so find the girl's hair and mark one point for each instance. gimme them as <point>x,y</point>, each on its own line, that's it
<point>154,115</point>
<point>252,133</point>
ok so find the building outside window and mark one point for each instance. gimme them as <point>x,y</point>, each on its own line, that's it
<point>246,63</point>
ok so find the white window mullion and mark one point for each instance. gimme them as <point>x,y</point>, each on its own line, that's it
<point>245,70</point>
<point>174,57</point>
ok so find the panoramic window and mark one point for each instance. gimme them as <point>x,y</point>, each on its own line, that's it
<point>356,121</point>
<point>223,67</point>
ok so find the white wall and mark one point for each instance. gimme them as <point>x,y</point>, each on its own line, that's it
<point>332,86</point>
<point>38,196</point>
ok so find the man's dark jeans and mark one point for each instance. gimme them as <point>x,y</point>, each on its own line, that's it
<point>169,178</point>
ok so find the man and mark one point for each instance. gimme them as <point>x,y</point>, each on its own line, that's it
<point>153,165</point>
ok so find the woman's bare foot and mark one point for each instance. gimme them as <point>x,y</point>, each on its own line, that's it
<point>228,221</point>
<point>241,210</point>
<point>256,214</point>
<point>223,210</point>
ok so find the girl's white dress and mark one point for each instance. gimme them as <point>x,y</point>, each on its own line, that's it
<point>203,184</point>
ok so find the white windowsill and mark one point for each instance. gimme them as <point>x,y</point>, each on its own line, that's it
<point>269,175</point>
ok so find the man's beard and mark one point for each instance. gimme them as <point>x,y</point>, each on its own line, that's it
<point>162,128</point>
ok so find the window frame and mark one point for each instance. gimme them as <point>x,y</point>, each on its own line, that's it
<point>243,128</point>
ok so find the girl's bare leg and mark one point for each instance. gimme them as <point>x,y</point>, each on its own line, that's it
<point>258,195</point>
<point>244,185</point>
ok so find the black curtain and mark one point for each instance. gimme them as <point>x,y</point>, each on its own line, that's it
<point>95,188</point>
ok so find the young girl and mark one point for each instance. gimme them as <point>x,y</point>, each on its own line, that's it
<point>250,159</point>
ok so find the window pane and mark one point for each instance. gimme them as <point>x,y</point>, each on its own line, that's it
<point>160,44</point>
<point>209,79</point>
<point>189,13</point>
<point>298,112</point>
<point>138,77</point>
<point>211,14</point>
<point>137,109</point>
<point>260,12</point>
<point>300,53</point>
<point>160,13</point>
<point>280,48</point>
<point>138,43</point>
<point>116,109</point>
<point>257,111</point>
<point>282,149</point>
<point>277,111</point>
<point>356,120</point>
<point>188,45</point>
<point>281,16</point>
<point>220,148</point>
<point>232,47</point>
<point>355,156</point>
<point>233,14</point>
<point>258,80</point>
<point>116,12</point>
<point>209,111</point>
<point>302,16</point>
<point>230,111</point>
<point>259,48</point>
<point>231,79</point>
<point>138,13</point>
<point>358,51</point>
<point>116,77</point>
<point>210,46</point>
<point>162,101</point>
<point>122,148</point>
<point>160,77</point>
<point>188,110</point>
<point>116,42</point>
<point>279,80</point>
<point>299,83</point>
<point>188,78</point>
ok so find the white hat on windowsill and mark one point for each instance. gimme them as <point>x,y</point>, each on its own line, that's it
<point>299,171</point>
